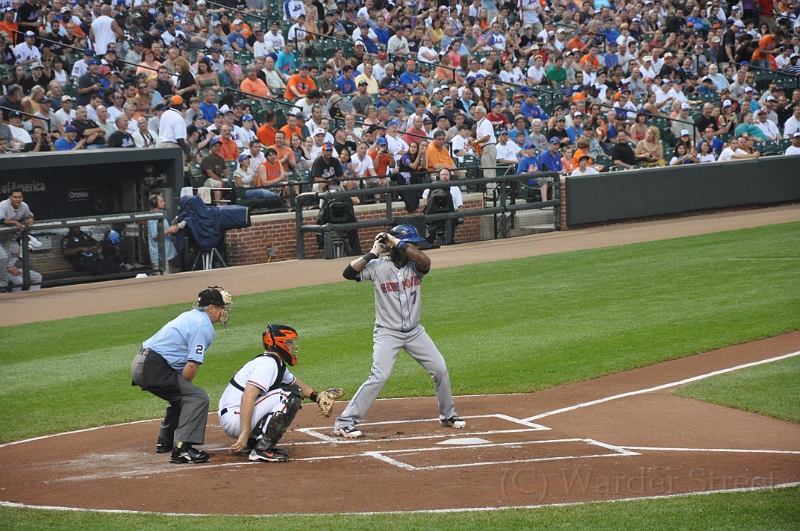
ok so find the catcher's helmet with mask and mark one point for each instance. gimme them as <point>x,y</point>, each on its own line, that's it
<point>280,340</point>
<point>406,233</point>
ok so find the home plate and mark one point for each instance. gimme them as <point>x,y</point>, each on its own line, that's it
<point>464,441</point>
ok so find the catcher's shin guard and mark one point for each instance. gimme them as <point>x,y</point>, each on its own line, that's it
<point>278,422</point>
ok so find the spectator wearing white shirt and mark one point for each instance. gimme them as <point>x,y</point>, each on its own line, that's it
<point>733,152</point>
<point>261,47</point>
<point>274,37</point>
<point>27,52</point>
<point>461,144</point>
<point>767,126</point>
<point>646,68</point>
<point>676,93</point>
<point>794,149</point>
<point>583,167</point>
<point>792,125</point>
<point>507,152</point>
<point>394,142</point>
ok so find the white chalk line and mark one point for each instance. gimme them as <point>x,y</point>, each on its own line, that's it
<point>660,387</point>
<point>16,505</point>
<point>724,450</point>
<point>381,455</point>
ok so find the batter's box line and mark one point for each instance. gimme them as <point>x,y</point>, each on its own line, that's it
<point>381,455</point>
<point>315,431</point>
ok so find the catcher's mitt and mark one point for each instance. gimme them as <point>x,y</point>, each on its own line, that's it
<point>327,398</point>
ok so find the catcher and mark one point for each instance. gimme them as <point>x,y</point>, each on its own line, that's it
<point>263,398</point>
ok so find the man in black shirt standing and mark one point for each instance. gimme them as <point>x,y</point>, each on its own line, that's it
<point>326,167</point>
<point>27,19</point>
<point>89,83</point>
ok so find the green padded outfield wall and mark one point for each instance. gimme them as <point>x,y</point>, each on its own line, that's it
<point>632,194</point>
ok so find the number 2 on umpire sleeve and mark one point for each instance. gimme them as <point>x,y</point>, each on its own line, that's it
<point>414,297</point>
<point>199,350</point>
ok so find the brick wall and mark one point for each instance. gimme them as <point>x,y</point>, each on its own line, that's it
<point>249,246</point>
<point>563,201</point>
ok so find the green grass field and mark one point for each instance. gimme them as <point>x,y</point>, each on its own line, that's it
<point>772,389</point>
<point>533,323</point>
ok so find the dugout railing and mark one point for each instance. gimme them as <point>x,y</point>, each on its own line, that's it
<point>48,260</point>
<point>504,207</point>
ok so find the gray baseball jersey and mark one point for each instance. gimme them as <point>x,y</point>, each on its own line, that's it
<point>7,212</point>
<point>397,293</point>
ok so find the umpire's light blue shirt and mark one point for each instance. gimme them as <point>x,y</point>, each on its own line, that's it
<point>183,339</point>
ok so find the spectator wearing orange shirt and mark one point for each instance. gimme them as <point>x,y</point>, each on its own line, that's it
<point>291,127</point>
<point>270,171</point>
<point>284,152</point>
<point>575,43</point>
<point>229,151</point>
<point>253,85</point>
<point>300,84</point>
<point>767,46</point>
<point>591,57</point>
<point>438,156</point>
<point>266,133</point>
<point>381,158</point>
<point>8,25</point>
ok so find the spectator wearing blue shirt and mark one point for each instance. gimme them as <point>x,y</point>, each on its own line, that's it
<point>530,108</point>
<point>166,365</point>
<point>549,160</point>
<point>576,129</point>
<point>618,125</point>
<point>381,31</point>
<point>286,62</point>
<point>345,82</point>
<point>609,31</point>
<point>68,143</point>
<point>237,41</point>
<point>610,58</point>
<point>409,78</point>
<point>529,163</point>
<point>369,44</point>
<point>208,107</point>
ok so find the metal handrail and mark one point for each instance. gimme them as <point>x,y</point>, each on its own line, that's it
<point>505,206</point>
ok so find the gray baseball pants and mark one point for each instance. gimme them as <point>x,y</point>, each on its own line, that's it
<point>187,408</point>
<point>387,344</point>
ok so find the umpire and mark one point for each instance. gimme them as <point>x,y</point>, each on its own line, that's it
<point>166,366</point>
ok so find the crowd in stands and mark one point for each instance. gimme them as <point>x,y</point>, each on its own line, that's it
<point>396,90</point>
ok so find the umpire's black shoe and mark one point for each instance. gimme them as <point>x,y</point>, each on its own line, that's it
<point>163,446</point>
<point>183,453</point>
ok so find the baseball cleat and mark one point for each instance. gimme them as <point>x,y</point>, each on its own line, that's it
<point>349,432</point>
<point>453,422</point>
<point>163,446</point>
<point>273,455</point>
<point>187,454</point>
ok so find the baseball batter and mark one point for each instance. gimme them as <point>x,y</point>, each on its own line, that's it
<point>263,397</point>
<point>397,280</point>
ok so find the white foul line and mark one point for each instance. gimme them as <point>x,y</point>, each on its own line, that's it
<point>660,387</point>
<point>728,450</point>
